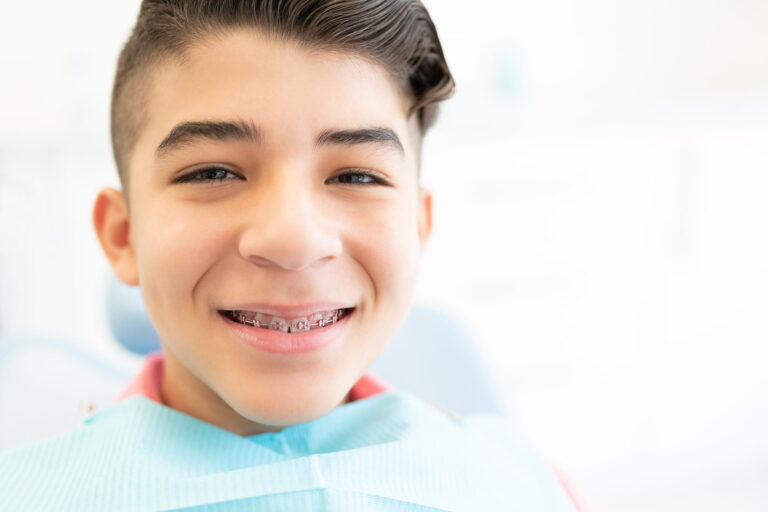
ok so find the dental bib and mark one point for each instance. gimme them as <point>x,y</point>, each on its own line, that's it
<point>389,452</point>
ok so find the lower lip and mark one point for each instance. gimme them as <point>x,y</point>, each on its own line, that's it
<point>287,343</point>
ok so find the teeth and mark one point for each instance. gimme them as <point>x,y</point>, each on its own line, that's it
<point>314,317</point>
<point>299,325</point>
<point>276,323</point>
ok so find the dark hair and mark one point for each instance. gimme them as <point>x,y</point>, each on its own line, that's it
<point>397,34</point>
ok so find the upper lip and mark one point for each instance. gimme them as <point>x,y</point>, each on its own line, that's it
<point>294,310</point>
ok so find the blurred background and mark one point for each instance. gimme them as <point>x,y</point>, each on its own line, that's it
<point>600,229</point>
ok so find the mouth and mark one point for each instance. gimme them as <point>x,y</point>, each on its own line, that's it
<point>314,321</point>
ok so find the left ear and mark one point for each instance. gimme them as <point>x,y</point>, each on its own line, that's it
<point>425,215</point>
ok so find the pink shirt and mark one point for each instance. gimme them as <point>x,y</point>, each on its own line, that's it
<point>150,378</point>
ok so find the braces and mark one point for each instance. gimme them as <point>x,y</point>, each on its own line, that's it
<point>300,326</point>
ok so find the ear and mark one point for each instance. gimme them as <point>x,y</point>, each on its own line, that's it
<point>425,215</point>
<point>112,225</point>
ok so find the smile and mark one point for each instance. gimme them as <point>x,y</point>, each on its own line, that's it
<point>316,320</point>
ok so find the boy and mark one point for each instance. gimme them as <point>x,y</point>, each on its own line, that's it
<point>272,215</point>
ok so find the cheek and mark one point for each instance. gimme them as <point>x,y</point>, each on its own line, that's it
<point>384,245</point>
<point>385,242</point>
<point>174,253</point>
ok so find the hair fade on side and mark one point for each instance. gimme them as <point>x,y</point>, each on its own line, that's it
<point>397,34</point>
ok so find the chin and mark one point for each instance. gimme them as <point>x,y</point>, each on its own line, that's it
<point>285,409</point>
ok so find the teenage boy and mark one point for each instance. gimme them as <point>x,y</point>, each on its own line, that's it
<point>271,213</point>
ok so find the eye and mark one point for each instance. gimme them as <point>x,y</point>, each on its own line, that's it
<point>213,174</point>
<point>359,177</point>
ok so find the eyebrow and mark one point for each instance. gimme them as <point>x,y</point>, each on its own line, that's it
<point>192,131</point>
<point>384,136</point>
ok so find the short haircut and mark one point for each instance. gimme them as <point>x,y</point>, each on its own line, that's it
<point>397,34</point>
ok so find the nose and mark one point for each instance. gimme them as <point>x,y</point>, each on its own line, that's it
<point>288,228</point>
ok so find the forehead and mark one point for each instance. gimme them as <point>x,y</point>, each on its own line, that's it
<point>290,92</point>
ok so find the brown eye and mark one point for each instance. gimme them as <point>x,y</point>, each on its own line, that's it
<point>358,177</point>
<point>206,175</point>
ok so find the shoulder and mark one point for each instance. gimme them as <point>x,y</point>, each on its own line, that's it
<point>57,453</point>
<point>504,435</point>
<point>47,474</point>
<point>32,474</point>
<point>491,454</point>
<point>450,415</point>
<point>104,461</point>
<point>50,452</point>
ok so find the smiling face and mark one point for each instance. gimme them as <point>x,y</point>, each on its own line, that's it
<point>273,180</point>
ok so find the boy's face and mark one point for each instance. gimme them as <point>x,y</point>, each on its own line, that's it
<point>293,224</point>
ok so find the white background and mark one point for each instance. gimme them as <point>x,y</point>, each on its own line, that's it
<point>601,210</point>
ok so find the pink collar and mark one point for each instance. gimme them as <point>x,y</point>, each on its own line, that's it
<point>148,381</point>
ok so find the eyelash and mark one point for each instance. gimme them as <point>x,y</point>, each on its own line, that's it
<point>195,176</point>
<point>374,177</point>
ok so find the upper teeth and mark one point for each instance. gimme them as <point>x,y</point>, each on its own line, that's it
<point>276,323</point>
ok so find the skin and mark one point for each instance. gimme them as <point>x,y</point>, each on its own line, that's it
<point>281,228</point>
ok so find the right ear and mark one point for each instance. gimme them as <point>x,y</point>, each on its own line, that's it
<point>112,225</point>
